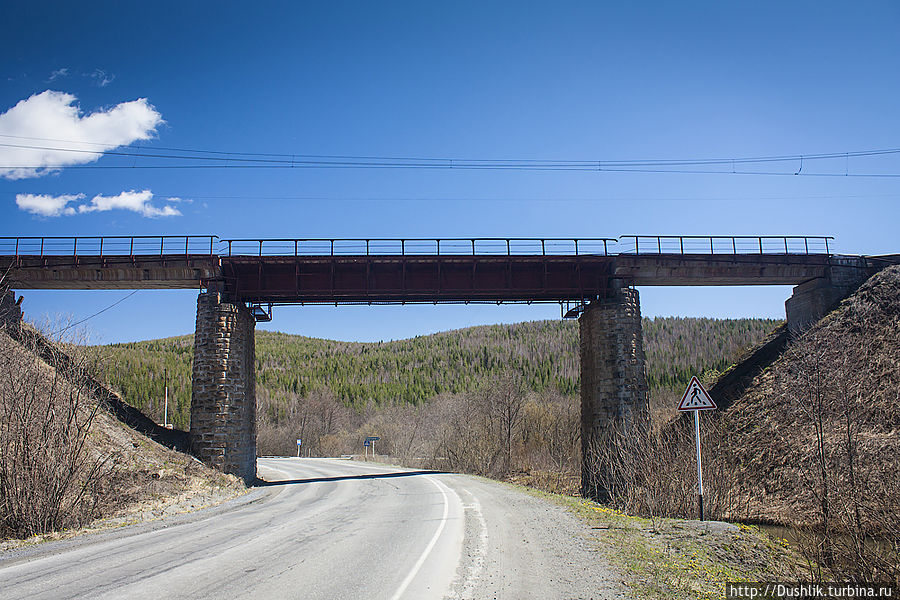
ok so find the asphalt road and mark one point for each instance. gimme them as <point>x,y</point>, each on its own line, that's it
<point>332,529</point>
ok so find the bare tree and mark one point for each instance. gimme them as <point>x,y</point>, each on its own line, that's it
<point>505,401</point>
<point>49,476</point>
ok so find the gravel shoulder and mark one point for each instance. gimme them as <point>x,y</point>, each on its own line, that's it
<point>521,546</point>
<point>681,559</point>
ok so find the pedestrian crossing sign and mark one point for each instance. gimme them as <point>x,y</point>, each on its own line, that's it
<point>695,397</point>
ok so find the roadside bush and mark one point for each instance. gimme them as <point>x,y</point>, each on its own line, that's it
<point>652,471</point>
<point>48,479</point>
<point>848,467</point>
<point>318,419</point>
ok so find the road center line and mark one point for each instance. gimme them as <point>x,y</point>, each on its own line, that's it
<point>411,575</point>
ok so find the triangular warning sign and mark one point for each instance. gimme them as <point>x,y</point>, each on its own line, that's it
<point>695,397</point>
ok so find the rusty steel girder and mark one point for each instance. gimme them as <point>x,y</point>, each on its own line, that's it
<point>328,279</point>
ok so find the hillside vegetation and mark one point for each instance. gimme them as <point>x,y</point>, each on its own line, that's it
<point>813,443</point>
<point>65,460</point>
<point>543,353</point>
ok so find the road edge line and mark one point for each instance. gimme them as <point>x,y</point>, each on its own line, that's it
<point>437,534</point>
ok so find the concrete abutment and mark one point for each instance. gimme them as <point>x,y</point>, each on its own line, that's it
<point>614,393</point>
<point>223,395</point>
<point>813,299</point>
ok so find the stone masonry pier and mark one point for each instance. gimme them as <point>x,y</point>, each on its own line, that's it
<point>614,392</point>
<point>223,396</point>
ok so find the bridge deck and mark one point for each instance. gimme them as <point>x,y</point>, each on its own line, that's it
<point>411,270</point>
<point>408,278</point>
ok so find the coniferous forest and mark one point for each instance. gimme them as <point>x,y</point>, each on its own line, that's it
<point>543,354</point>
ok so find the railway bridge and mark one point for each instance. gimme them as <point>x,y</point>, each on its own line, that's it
<point>595,280</point>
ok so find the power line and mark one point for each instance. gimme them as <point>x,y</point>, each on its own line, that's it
<point>211,159</point>
<point>459,167</point>
<point>725,160</point>
<point>99,312</point>
<point>620,199</point>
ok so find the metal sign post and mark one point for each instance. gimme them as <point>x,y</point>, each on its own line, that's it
<point>699,461</point>
<point>299,441</point>
<point>370,441</point>
<point>695,399</point>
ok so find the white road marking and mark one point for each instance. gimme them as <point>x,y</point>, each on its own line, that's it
<point>437,534</point>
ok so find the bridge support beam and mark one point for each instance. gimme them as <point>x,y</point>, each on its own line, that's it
<point>815,298</point>
<point>614,392</point>
<point>223,393</point>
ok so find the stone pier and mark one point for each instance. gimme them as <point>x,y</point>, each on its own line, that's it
<point>223,396</point>
<point>614,392</point>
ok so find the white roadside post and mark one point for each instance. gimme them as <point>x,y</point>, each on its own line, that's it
<point>370,441</point>
<point>166,409</point>
<point>299,441</point>
<point>695,399</point>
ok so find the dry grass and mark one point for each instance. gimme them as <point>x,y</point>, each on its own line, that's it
<point>812,444</point>
<point>49,479</point>
<point>816,442</point>
<point>65,461</point>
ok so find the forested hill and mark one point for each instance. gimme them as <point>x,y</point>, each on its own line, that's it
<point>417,369</point>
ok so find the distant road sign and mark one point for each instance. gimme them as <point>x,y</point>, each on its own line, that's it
<point>367,442</point>
<point>299,441</point>
<point>372,438</point>
<point>695,397</point>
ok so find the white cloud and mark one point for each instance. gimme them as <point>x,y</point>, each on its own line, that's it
<point>138,202</point>
<point>47,206</point>
<point>58,206</point>
<point>53,116</point>
<point>63,72</point>
<point>101,78</point>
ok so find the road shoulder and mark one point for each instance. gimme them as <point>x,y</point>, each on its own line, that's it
<point>678,558</point>
<point>518,545</point>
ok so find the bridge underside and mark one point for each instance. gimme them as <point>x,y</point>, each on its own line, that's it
<point>179,271</point>
<point>409,278</point>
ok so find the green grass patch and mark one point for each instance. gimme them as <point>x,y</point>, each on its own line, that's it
<point>681,559</point>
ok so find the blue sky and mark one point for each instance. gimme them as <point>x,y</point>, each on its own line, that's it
<point>575,81</point>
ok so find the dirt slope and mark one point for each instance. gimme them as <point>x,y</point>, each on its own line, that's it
<point>143,478</point>
<point>816,437</point>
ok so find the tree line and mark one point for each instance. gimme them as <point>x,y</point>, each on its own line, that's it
<point>543,354</point>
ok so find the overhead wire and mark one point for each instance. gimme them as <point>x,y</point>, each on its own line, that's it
<point>720,160</point>
<point>458,167</point>
<point>214,159</point>
<point>99,312</point>
<point>186,195</point>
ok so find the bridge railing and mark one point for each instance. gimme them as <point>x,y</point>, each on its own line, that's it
<point>100,246</point>
<point>419,246</point>
<point>730,244</point>
<point>170,245</point>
